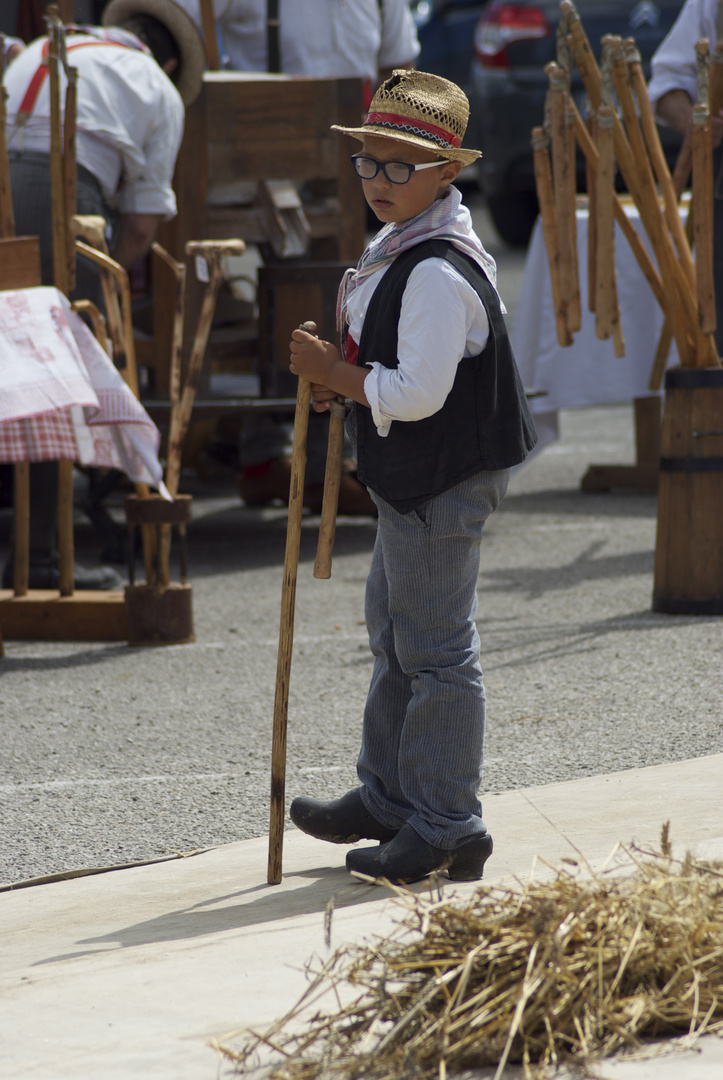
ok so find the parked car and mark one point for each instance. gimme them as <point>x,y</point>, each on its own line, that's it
<point>446,31</point>
<point>508,85</point>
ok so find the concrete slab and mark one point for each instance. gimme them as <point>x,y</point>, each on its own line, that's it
<point>132,973</point>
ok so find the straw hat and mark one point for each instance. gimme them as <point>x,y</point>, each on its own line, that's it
<point>422,110</point>
<point>182,29</point>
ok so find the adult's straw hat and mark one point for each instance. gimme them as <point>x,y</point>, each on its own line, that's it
<point>420,109</point>
<point>182,29</point>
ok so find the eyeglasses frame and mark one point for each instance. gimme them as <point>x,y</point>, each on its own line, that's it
<point>382,165</point>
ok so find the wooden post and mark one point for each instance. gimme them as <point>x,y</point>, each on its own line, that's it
<point>179,272</point>
<point>21,498</point>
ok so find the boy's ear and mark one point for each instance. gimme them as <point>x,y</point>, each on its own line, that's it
<point>450,172</point>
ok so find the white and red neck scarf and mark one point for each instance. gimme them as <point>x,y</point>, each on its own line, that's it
<point>446,219</point>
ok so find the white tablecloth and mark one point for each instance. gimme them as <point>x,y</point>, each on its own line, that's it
<point>586,372</point>
<point>61,396</point>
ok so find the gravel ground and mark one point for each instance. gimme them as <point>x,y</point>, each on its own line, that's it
<point>114,754</point>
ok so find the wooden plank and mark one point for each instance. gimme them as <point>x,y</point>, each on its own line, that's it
<point>600,478</point>
<point>324,217</point>
<point>254,109</point>
<point>44,615</point>
<point>19,262</point>
<point>647,430</point>
<point>295,159</point>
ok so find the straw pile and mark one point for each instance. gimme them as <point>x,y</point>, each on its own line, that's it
<point>562,971</point>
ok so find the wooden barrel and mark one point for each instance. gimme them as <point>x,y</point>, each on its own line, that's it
<point>689,543</point>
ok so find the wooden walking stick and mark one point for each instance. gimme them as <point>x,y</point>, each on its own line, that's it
<point>286,627</point>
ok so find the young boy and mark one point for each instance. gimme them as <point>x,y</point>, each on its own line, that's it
<point>439,417</point>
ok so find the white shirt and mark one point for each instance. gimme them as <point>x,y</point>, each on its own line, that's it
<point>326,38</point>
<point>673,64</point>
<point>129,121</point>
<point>442,320</point>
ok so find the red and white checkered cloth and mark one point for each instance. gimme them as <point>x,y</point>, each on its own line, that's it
<point>61,396</point>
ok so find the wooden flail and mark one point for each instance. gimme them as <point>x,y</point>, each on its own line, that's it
<point>625,137</point>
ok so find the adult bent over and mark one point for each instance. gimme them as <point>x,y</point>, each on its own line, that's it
<point>135,75</point>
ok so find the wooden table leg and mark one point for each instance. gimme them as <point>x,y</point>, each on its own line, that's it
<point>643,475</point>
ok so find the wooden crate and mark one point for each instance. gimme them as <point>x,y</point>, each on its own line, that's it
<point>248,128</point>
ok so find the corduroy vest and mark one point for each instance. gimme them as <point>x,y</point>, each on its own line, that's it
<point>485,423</point>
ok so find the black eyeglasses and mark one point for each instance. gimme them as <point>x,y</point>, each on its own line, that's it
<point>396,172</point>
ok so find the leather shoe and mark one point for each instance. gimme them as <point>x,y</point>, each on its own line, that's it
<point>44,573</point>
<point>409,858</point>
<point>341,821</point>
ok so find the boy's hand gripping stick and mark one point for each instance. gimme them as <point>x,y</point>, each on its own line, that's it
<point>286,627</point>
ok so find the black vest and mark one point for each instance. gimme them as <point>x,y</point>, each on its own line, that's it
<point>485,423</point>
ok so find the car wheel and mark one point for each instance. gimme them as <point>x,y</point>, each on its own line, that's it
<point>514,213</point>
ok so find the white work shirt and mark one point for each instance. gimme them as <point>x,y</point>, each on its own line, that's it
<point>323,38</point>
<point>129,121</point>
<point>442,320</point>
<point>673,64</point>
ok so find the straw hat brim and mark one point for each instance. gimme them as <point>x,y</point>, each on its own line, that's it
<point>464,156</point>
<point>185,34</point>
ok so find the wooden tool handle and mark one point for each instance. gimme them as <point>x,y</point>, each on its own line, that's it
<point>286,629</point>
<point>332,483</point>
